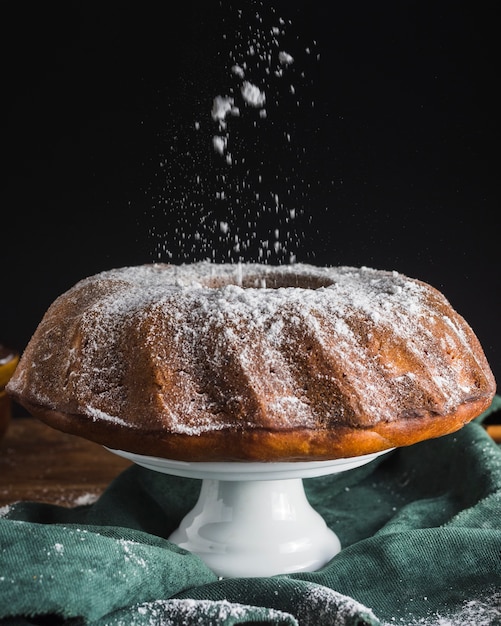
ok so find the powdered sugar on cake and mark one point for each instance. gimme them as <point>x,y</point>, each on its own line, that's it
<point>255,320</point>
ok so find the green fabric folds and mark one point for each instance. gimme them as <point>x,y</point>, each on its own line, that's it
<point>420,529</point>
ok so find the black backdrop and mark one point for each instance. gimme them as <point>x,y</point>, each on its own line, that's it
<point>391,161</point>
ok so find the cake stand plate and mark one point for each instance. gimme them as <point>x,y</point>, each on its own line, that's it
<point>253,519</point>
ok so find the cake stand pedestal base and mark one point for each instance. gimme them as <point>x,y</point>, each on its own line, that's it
<point>258,528</point>
<point>253,519</point>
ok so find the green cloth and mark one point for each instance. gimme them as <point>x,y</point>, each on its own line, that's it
<point>420,529</point>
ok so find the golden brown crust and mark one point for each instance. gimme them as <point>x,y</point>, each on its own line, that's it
<point>261,445</point>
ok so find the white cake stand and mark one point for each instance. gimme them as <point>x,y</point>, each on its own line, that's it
<point>253,519</point>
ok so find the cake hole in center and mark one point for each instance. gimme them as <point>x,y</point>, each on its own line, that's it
<point>271,280</point>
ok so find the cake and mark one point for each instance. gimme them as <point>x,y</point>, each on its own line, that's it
<point>251,362</point>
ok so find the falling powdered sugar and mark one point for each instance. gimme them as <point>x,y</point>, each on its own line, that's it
<point>253,95</point>
<point>252,182</point>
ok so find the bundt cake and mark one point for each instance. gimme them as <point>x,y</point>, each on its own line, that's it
<point>250,362</point>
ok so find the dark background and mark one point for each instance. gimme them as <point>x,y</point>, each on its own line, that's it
<point>394,166</point>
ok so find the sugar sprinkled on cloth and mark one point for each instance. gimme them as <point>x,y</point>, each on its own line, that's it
<point>85,499</point>
<point>482,611</point>
<point>322,605</point>
<point>199,612</point>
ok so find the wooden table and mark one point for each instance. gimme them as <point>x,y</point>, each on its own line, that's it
<point>41,464</point>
